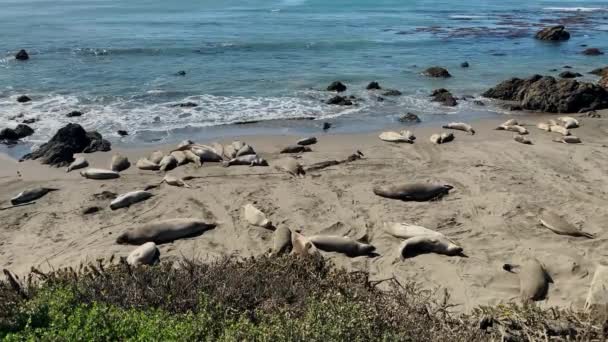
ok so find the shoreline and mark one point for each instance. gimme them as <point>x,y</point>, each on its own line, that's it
<point>500,186</point>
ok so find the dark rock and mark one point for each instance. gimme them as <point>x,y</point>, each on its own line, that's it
<point>554,33</point>
<point>437,72</point>
<point>545,93</point>
<point>515,108</point>
<point>21,131</point>
<point>600,71</point>
<point>409,117</point>
<point>185,104</point>
<point>181,73</point>
<point>326,126</point>
<point>29,121</point>
<point>373,86</point>
<point>583,45</point>
<point>340,101</point>
<point>15,117</point>
<point>444,97</point>
<point>464,64</point>
<point>569,74</point>
<point>90,210</point>
<point>604,82</point>
<point>104,195</point>
<point>553,70</point>
<point>567,67</point>
<point>73,114</point>
<point>336,86</point>
<point>156,119</point>
<point>592,52</point>
<point>380,99</point>
<point>122,133</point>
<point>70,139</point>
<point>392,92</point>
<point>479,103</point>
<point>592,114</point>
<point>22,55</point>
<point>23,99</point>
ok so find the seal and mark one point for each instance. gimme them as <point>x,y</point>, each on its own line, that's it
<point>513,128</point>
<point>559,129</point>
<point>460,126</point>
<point>78,163</point>
<point>99,174</point>
<point>533,279</point>
<point>164,231</point>
<point>168,163</point>
<point>559,225</point>
<point>395,137</point>
<point>218,148</point>
<point>193,158</point>
<point>302,246</point>
<point>295,149</point>
<point>30,195</point>
<point>568,122</point>
<point>245,150</point>
<point>180,157</point>
<point>290,166</point>
<point>307,141</point>
<point>523,140</point>
<point>185,143</point>
<point>419,192</point>
<point>174,181</point>
<point>423,244</point>
<point>129,198</point>
<point>145,164</point>
<point>341,244</point>
<point>510,122</point>
<point>570,139</point>
<point>229,152</point>
<point>207,154</point>
<point>281,241</point>
<point>119,163</point>
<point>156,156</point>
<point>407,231</point>
<point>256,217</point>
<point>250,159</point>
<point>597,297</point>
<point>146,254</point>
<point>544,126</point>
<point>442,138</point>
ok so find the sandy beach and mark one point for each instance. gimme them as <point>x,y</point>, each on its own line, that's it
<point>500,186</point>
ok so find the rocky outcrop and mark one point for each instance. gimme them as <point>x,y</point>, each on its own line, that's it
<point>122,132</point>
<point>409,118</point>
<point>554,33</point>
<point>600,71</point>
<point>70,139</point>
<point>23,99</point>
<point>22,55</point>
<point>74,114</point>
<point>546,94</point>
<point>339,101</point>
<point>604,82</point>
<point>592,52</point>
<point>444,97</point>
<point>437,72</point>
<point>336,86</point>
<point>464,64</point>
<point>185,104</point>
<point>373,86</point>
<point>392,92</point>
<point>19,132</point>
<point>569,74</point>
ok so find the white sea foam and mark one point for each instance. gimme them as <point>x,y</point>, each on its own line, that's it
<point>462,16</point>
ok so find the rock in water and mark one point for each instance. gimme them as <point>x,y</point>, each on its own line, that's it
<point>592,52</point>
<point>444,97</point>
<point>553,33</point>
<point>70,139</point>
<point>336,86</point>
<point>339,101</point>
<point>74,114</point>
<point>437,72</point>
<point>569,74</point>
<point>392,92</point>
<point>464,64</point>
<point>373,86</point>
<point>256,217</point>
<point>22,55</point>
<point>21,131</point>
<point>23,99</point>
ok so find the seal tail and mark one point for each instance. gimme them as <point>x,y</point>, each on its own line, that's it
<point>588,235</point>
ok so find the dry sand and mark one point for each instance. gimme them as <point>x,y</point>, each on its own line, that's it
<point>500,187</point>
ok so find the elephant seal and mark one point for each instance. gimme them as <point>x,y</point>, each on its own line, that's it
<point>229,152</point>
<point>442,138</point>
<point>146,254</point>
<point>237,145</point>
<point>568,122</point>
<point>281,241</point>
<point>156,156</point>
<point>522,140</point>
<point>413,191</point>
<point>295,149</point>
<point>174,181</point>
<point>513,128</point>
<point>78,163</point>
<point>207,154</point>
<point>99,174</point>
<point>256,217</point>
<point>544,126</point>
<point>180,157</point>
<point>168,163</point>
<point>341,244</point>
<point>559,129</point>
<point>461,126</point>
<point>185,143</point>
<point>407,231</point>
<point>510,122</point>
<point>193,158</point>
<point>597,297</point>
<point>164,231</point>
<point>290,166</point>
<point>302,246</point>
<point>145,164</point>
<point>218,148</point>
<point>245,150</point>
<point>307,141</point>
<point>119,163</point>
<point>533,279</point>
<point>250,160</point>
<point>570,139</point>
<point>30,195</point>
<point>428,244</point>
<point>559,225</point>
<point>395,137</point>
<point>126,200</point>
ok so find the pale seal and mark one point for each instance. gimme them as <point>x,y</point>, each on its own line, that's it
<point>99,174</point>
<point>513,128</point>
<point>413,191</point>
<point>78,163</point>
<point>175,181</point>
<point>428,244</point>
<point>302,246</point>
<point>570,139</point>
<point>145,164</point>
<point>281,241</point>
<point>164,231</point>
<point>597,297</point>
<point>559,225</point>
<point>510,122</point>
<point>395,137</point>
<point>119,163</point>
<point>229,152</point>
<point>256,217</point>
<point>407,231</point>
<point>30,195</point>
<point>250,160</point>
<point>441,138</point>
<point>290,166</point>
<point>461,126</point>
<point>523,140</point>
<point>295,149</point>
<point>168,163</point>
<point>146,254</point>
<point>193,158</point>
<point>568,122</point>
<point>180,157</point>
<point>218,148</point>
<point>533,279</point>
<point>129,198</point>
<point>341,244</point>
<point>245,150</point>
<point>156,156</point>
<point>307,141</point>
<point>559,129</point>
<point>544,126</point>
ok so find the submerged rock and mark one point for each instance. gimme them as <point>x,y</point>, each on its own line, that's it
<point>185,104</point>
<point>444,97</point>
<point>592,52</point>
<point>437,72</point>
<point>122,132</point>
<point>73,114</point>
<point>409,117</point>
<point>22,55</point>
<point>600,71</point>
<point>340,101</point>
<point>23,99</point>
<point>569,74</point>
<point>464,64</point>
<point>392,92</point>
<point>336,86</point>
<point>181,73</point>
<point>373,86</point>
<point>553,33</point>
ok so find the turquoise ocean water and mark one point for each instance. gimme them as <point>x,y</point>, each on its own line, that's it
<point>116,61</point>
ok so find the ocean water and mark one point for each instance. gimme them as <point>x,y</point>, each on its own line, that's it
<point>263,60</point>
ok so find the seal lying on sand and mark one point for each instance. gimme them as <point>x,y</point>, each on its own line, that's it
<point>156,156</point>
<point>126,200</point>
<point>407,231</point>
<point>533,279</point>
<point>99,174</point>
<point>570,139</point>
<point>523,140</point>
<point>302,246</point>
<point>146,254</point>
<point>164,231</point>
<point>180,157</point>
<point>428,244</point>
<point>325,164</point>
<point>341,244</point>
<point>568,122</point>
<point>281,241</point>
<point>461,126</point>
<point>413,191</point>
<point>250,160</point>
<point>295,149</point>
<point>30,195</point>
<point>395,137</point>
<point>290,166</point>
<point>513,128</point>
<point>245,150</point>
<point>597,297</point>
<point>554,127</point>
<point>256,217</point>
<point>119,163</point>
<point>442,138</point>
<point>207,154</point>
<point>175,181</point>
<point>307,141</point>
<point>168,163</point>
<point>79,163</point>
<point>145,164</point>
<point>558,225</point>
<point>193,158</point>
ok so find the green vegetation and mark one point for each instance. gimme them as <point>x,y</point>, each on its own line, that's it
<point>263,299</point>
